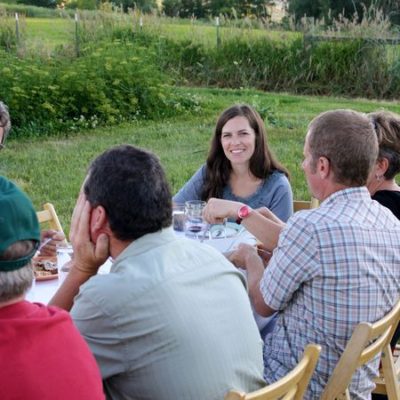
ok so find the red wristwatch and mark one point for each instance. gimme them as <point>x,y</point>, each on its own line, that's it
<point>243,213</point>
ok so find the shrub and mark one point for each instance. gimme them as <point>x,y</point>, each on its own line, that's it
<point>106,86</point>
<point>339,67</point>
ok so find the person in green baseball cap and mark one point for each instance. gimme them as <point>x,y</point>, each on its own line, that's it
<point>39,344</point>
<point>49,249</point>
<point>19,240</point>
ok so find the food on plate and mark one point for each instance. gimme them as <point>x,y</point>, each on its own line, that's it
<point>45,267</point>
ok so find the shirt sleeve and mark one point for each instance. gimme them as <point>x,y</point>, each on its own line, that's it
<point>193,188</point>
<point>282,199</point>
<point>293,264</point>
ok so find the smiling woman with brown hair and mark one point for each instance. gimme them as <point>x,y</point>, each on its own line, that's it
<point>240,166</point>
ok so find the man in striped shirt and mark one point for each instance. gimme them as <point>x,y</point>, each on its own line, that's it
<point>333,266</point>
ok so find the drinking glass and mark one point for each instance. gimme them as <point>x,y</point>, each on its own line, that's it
<point>194,223</point>
<point>178,217</point>
<point>64,256</point>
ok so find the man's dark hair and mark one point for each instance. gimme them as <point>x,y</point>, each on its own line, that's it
<point>130,184</point>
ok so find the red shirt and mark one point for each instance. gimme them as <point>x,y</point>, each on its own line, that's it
<point>43,356</point>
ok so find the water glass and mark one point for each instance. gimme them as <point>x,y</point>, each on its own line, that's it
<point>64,256</point>
<point>178,217</point>
<point>195,225</point>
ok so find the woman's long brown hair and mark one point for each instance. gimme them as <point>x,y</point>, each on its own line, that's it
<point>218,167</point>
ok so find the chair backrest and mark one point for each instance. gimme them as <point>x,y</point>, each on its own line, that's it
<point>48,214</point>
<point>291,386</point>
<point>305,205</point>
<point>365,343</point>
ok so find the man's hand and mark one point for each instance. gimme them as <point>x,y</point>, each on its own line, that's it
<point>88,256</point>
<point>247,257</point>
<point>264,253</point>
<point>49,248</point>
<point>240,256</point>
<point>217,210</point>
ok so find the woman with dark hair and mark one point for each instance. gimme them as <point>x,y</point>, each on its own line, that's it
<point>241,167</point>
<point>382,184</point>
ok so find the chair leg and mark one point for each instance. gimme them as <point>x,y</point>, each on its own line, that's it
<point>389,374</point>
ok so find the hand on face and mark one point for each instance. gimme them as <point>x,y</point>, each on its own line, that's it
<point>88,256</point>
<point>49,249</point>
<point>217,210</point>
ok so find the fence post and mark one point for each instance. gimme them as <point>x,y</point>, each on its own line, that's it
<point>141,23</point>
<point>17,27</point>
<point>218,36</point>
<point>77,35</point>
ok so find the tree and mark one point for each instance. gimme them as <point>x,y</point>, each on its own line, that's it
<point>251,8</point>
<point>39,3</point>
<point>347,8</point>
<point>184,8</point>
<point>145,6</point>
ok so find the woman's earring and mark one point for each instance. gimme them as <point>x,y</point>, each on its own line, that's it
<point>378,177</point>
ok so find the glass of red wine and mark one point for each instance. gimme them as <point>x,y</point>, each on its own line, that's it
<point>195,225</point>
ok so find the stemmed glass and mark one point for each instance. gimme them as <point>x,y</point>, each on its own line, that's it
<point>195,225</point>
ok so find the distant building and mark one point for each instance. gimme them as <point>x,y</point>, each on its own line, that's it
<point>277,9</point>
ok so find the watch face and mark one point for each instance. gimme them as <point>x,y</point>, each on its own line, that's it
<point>244,211</point>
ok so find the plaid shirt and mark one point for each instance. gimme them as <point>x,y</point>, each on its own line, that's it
<point>334,267</point>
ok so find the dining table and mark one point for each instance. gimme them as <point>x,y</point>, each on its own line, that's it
<point>224,238</point>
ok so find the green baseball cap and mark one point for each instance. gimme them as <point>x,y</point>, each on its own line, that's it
<point>18,221</point>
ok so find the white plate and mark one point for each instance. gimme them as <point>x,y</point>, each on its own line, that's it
<point>229,230</point>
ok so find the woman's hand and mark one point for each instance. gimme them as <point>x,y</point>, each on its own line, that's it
<point>217,210</point>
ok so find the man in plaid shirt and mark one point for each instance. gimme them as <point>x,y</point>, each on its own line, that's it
<point>333,266</point>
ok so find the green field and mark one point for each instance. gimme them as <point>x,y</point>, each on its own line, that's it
<point>53,169</point>
<point>58,31</point>
<point>51,31</point>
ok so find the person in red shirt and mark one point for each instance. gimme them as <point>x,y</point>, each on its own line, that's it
<point>42,355</point>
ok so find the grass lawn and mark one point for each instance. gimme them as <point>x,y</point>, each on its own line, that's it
<point>58,31</point>
<point>49,31</point>
<point>52,169</point>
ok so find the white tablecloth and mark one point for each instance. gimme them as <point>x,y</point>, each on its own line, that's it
<point>43,291</point>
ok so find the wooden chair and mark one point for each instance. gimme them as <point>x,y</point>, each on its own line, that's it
<point>49,215</point>
<point>380,381</point>
<point>305,205</point>
<point>366,341</point>
<point>291,386</point>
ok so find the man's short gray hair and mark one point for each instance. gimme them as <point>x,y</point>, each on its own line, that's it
<point>15,283</point>
<point>348,140</point>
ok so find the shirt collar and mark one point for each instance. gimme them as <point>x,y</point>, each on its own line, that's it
<point>148,242</point>
<point>353,193</point>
